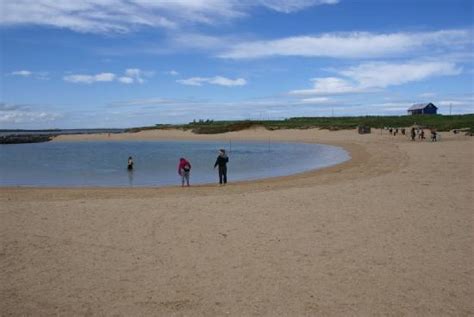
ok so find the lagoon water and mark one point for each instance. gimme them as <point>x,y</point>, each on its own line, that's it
<point>91,164</point>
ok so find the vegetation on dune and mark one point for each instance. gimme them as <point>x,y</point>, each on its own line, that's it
<point>438,122</point>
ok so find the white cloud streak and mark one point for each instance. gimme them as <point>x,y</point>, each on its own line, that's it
<point>286,6</point>
<point>373,76</point>
<point>89,79</point>
<point>349,45</point>
<point>120,16</point>
<point>10,113</point>
<point>131,75</point>
<point>381,75</point>
<point>316,101</point>
<point>29,74</point>
<point>329,86</point>
<point>217,80</point>
<point>22,73</point>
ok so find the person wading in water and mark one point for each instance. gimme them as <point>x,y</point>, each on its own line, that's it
<point>184,169</point>
<point>222,161</point>
<point>130,163</point>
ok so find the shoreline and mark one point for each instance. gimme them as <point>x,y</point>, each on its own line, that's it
<point>355,152</point>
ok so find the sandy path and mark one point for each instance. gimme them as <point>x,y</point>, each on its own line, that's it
<point>388,233</point>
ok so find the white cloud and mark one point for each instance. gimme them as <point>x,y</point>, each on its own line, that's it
<point>286,6</point>
<point>134,73</point>
<point>119,16</point>
<point>30,74</point>
<point>89,79</point>
<point>223,81</point>
<point>217,80</point>
<point>348,45</point>
<point>172,72</point>
<point>193,81</point>
<point>372,76</point>
<point>316,100</point>
<point>104,77</point>
<point>95,16</point>
<point>85,79</point>
<point>125,80</point>
<point>456,105</point>
<point>329,86</point>
<point>131,75</point>
<point>22,73</point>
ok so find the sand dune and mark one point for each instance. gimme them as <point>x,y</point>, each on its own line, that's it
<point>389,232</point>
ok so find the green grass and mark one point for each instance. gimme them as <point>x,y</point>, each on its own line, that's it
<point>438,122</point>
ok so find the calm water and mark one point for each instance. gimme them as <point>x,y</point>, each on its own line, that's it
<point>104,163</point>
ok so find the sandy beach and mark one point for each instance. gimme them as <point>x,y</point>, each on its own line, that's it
<point>389,232</point>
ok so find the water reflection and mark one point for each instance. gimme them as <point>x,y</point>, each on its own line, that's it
<point>130,178</point>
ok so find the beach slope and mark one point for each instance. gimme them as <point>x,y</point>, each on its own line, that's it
<point>389,232</point>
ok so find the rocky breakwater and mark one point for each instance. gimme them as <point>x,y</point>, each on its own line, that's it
<point>25,138</point>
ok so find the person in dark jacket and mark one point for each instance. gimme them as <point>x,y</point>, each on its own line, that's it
<point>221,162</point>
<point>412,134</point>
<point>130,163</point>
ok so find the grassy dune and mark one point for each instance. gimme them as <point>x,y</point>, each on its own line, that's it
<point>439,122</point>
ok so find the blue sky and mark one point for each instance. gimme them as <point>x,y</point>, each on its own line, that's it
<point>125,63</point>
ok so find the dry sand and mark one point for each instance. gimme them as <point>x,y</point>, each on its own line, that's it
<point>388,233</point>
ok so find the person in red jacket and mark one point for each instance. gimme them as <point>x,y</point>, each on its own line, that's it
<point>184,169</point>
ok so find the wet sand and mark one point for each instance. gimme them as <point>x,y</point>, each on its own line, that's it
<point>389,232</point>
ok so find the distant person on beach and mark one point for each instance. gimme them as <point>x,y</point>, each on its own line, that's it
<point>434,136</point>
<point>403,131</point>
<point>413,134</point>
<point>221,162</point>
<point>184,169</point>
<point>422,134</point>
<point>130,163</point>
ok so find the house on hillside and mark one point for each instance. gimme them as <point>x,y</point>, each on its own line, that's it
<point>423,108</point>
